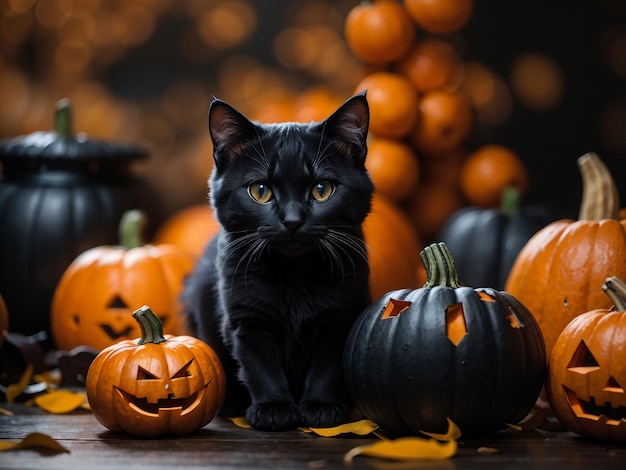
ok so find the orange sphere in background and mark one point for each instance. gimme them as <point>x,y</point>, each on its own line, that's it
<point>445,121</point>
<point>393,167</point>
<point>393,103</point>
<point>488,171</point>
<point>393,248</point>
<point>379,32</point>
<point>440,16</point>
<point>430,64</point>
<point>190,229</point>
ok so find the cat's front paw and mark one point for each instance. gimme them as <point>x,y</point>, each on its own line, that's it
<point>273,416</point>
<point>322,415</point>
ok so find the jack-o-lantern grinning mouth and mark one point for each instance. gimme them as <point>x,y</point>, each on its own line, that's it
<point>592,410</point>
<point>142,405</point>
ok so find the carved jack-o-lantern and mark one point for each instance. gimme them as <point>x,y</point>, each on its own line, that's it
<point>587,370</point>
<point>156,385</point>
<point>417,357</point>
<point>93,302</point>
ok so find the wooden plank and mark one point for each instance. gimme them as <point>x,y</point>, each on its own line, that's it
<point>223,445</point>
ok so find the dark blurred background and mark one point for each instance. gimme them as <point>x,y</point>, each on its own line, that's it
<point>546,78</point>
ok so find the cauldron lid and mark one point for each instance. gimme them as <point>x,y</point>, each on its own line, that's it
<point>61,145</point>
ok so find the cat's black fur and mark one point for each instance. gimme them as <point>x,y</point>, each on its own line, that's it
<point>278,289</point>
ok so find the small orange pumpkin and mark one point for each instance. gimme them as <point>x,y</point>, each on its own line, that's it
<point>155,385</point>
<point>92,303</point>
<point>190,228</point>
<point>557,272</point>
<point>587,371</point>
<point>379,32</point>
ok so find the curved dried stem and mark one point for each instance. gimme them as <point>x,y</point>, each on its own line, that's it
<point>600,197</point>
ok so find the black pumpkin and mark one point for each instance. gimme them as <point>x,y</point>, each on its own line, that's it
<point>486,242</point>
<point>417,357</point>
<point>60,194</point>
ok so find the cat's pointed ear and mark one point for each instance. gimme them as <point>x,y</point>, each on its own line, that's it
<point>349,125</point>
<point>230,130</point>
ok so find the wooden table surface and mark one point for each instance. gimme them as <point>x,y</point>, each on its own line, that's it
<point>223,445</point>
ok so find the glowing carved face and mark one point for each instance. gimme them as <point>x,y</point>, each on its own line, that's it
<point>164,392</point>
<point>588,376</point>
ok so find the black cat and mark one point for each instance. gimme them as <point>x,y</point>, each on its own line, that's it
<point>278,289</point>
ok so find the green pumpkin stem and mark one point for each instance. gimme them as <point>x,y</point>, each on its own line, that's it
<point>150,324</point>
<point>510,201</point>
<point>63,118</point>
<point>132,226</point>
<point>439,266</point>
<point>615,289</point>
<point>600,199</point>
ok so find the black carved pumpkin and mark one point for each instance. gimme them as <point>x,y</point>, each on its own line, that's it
<point>60,194</point>
<point>417,357</point>
<point>485,242</point>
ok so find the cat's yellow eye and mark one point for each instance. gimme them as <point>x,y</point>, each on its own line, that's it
<point>260,192</point>
<point>322,190</point>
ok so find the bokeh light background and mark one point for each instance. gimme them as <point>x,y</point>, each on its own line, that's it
<point>546,78</point>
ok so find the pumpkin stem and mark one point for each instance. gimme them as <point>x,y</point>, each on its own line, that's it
<point>150,324</point>
<point>600,197</point>
<point>63,118</point>
<point>615,289</point>
<point>439,266</point>
<point>510,201</point>
<point>132,225</point>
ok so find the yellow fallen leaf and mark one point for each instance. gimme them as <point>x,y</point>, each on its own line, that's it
<point>361,428</point>
<point>5,412</point>
<point>60,401</point>
<point>405,448</point>
<point>533,420</point>
<point>50,377</point>
<point>35,440</point>
<point>487,450</point>
<point>16,389</point>
<point>453,434</point>
<point>241,422</point>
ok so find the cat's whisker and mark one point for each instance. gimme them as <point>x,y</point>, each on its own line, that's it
<point>333,256</point>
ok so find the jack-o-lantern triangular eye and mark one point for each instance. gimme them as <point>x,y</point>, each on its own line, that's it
<point>143,374</point>
<point>117,302</point>
<point>183,372</point>
<point>583,361</point>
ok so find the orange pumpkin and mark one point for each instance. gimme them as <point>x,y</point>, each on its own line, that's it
<point>393,248</point>
<point>379,32</point>
<point>92,303</point>
<point>557,273</point>
<point>4,319</point>
<point>587,370</point>
<point>190,228</point>
<point>440,16</point>
<point>393,103</point>
<point>155,385</point>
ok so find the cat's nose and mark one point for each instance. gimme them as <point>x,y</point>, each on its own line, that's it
<point>292,225</point>
<point>293,217</point>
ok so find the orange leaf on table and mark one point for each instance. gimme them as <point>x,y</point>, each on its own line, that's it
<point>60,401</point>
<point>16,389</point>
<point>35,440</point>
<point>405,448</point>
<point>453,433</point>
<point>361,428</point>
<point>240,421</point>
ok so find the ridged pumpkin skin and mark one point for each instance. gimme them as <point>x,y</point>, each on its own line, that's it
<point>475,356</point>
<point>97,293</point>
<point>168,385</point>
<point>587,372</point>
<point>485,242</point>
<point>558,274</point>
